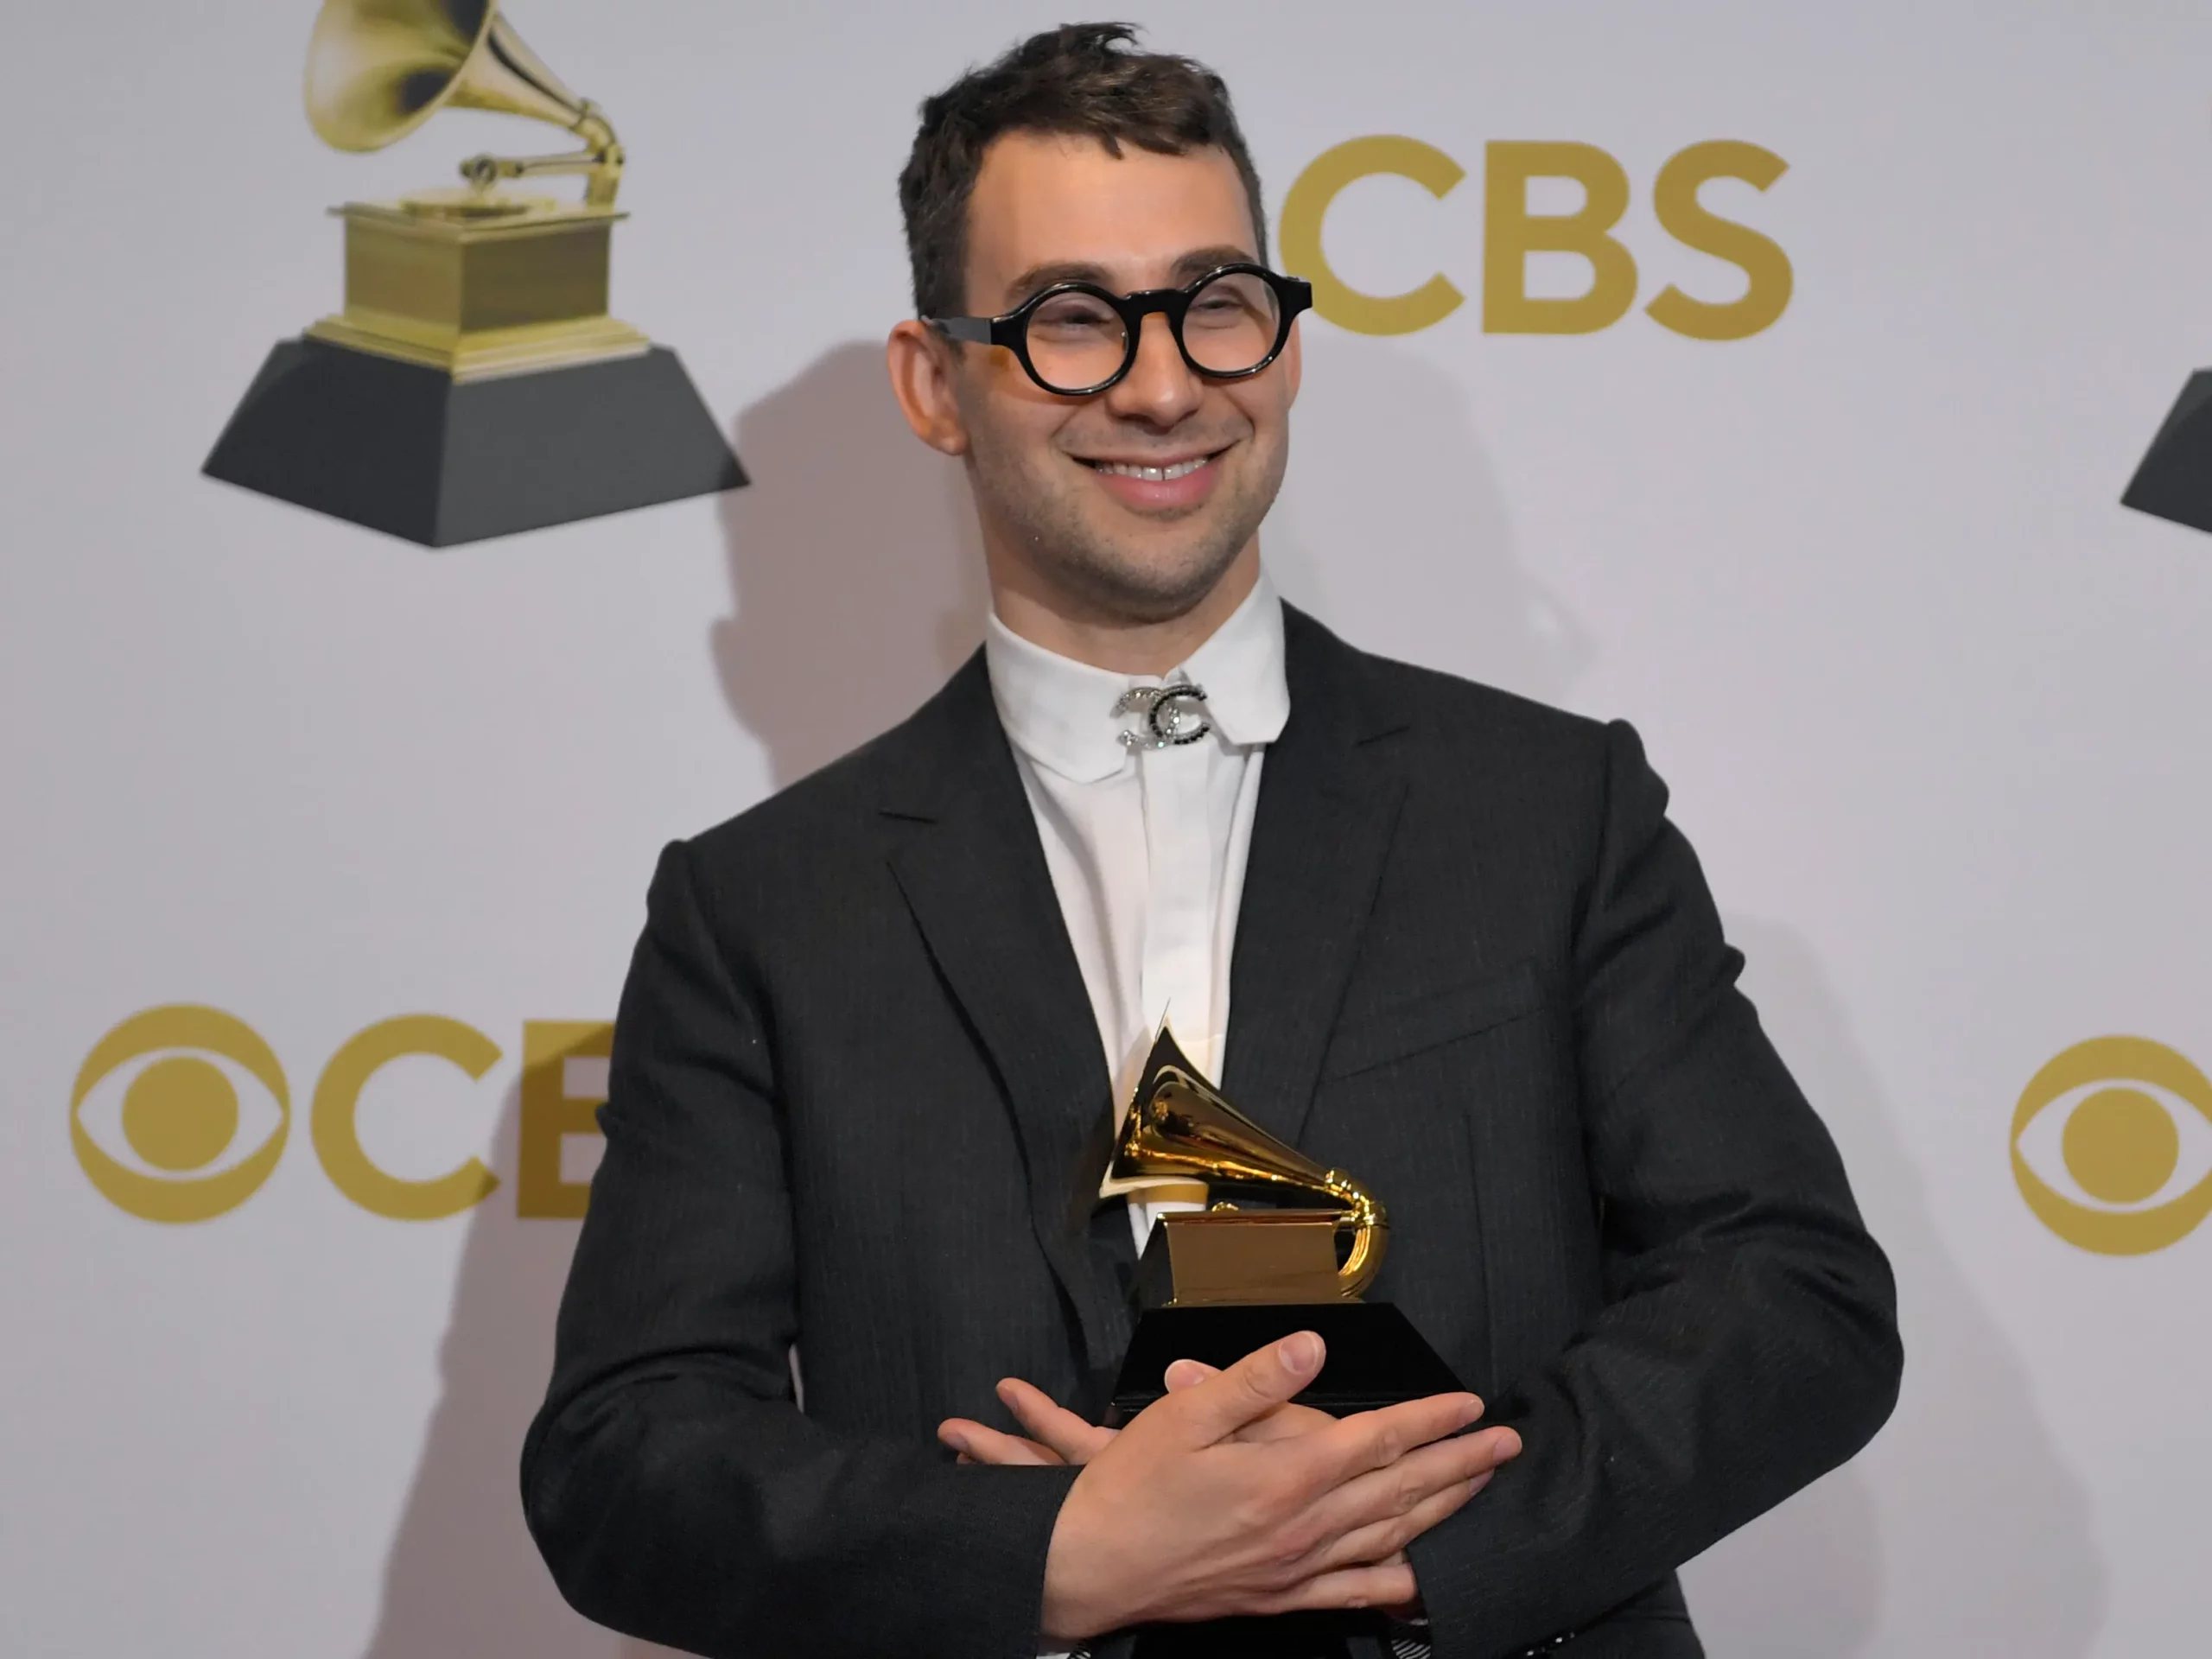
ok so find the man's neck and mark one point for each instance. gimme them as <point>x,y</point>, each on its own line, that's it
<point>1117,645</point>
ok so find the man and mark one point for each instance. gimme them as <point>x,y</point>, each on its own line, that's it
<point>867,1060</point>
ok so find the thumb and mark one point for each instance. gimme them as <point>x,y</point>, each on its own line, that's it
<point>1187,1374</point>
<point>1216,1407</point>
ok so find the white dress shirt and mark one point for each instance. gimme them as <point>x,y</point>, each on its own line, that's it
<point>1146,846</point>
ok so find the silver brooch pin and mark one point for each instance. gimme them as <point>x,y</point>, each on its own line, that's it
<point>1171,715</point>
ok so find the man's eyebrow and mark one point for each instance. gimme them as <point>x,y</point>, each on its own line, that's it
<point>1200,261</point>
<point>1194,263</point>
<point>1038,278</point>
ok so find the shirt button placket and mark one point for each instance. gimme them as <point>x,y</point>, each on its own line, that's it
<point>1178,979</point>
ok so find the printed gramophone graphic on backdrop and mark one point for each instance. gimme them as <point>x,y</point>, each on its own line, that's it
<point>474,383</point>
<point>2175,481</point>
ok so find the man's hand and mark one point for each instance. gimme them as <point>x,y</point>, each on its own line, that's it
<point>1176,1517</point>
<point>1057,1435</point>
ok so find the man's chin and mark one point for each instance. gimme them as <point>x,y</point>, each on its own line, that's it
<point>1155,584</point>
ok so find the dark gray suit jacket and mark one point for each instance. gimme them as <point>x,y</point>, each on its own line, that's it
<point>858,1104</point>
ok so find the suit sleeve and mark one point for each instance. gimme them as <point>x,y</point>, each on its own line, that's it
<point>673,1484</point>
<point>1748,1341</point>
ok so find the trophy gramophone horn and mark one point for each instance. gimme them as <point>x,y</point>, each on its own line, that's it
<point>1179,1126</point>
<point>377,69</point>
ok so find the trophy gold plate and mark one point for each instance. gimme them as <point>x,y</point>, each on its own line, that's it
<point>1213,1285</point>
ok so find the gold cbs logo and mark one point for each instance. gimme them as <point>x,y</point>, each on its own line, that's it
<point>2112,1146</point>
<point>181,1112</point>
<point>1511,233</point>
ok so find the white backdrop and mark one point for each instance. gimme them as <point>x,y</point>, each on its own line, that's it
<point>1933,705</point>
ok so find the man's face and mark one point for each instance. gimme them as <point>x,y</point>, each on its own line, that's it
<point>1130,504</point>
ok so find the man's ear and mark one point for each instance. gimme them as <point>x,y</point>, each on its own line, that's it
<point>922,365</point>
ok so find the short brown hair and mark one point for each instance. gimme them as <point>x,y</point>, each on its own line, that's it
<point>1080,80</point>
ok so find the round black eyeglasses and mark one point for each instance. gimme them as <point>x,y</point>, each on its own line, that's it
<point>1075,339</point>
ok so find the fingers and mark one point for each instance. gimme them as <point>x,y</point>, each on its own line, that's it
<point>1285,1423</point>
<point>1383,1540</point>
<point>1379,1512</point>
<point>1215,1407</point>
<point>1355,1586</point>
<point>1188,1374</point>
<point>976,1443</point>
<point>1057,1435</point>
<point>1376,1439</point>
<point>1051,1424</point>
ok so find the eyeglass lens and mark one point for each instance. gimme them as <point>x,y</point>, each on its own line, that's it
<point>1075,340</point>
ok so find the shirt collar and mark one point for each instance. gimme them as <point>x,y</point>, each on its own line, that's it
<point>1060,713</point>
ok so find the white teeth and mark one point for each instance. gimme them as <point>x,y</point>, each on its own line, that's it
<point>1156,475</point>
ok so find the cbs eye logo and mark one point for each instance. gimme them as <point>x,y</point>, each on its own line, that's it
<point>2112,1146</point>
<point>181,1112</point>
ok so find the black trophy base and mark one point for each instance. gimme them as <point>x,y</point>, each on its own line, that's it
<point>1376,1357</point>
<point>406,449</point>
<point>2175,481</point>
<point>1285,1635</point>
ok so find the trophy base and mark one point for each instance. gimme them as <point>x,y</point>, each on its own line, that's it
<point>1376,1357</point>
<point>408,450</point>
<point>2175,481</point>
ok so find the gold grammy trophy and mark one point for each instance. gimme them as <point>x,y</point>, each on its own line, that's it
<point>1216,1283</point>
<point>473,383</point>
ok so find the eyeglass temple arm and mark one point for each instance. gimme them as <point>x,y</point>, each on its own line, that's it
<point>975,329</point>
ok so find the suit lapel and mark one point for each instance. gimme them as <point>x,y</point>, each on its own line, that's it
<point>967,861</point>
<point>966,856</point>
<point>1329,792</point>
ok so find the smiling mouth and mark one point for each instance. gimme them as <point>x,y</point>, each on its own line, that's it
<point>1153,475</point>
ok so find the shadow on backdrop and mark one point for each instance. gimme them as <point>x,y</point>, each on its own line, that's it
<point>463,1580</point>
<point>1959,1530</point>
<point>1392,526</point>
<point>855,565</point>
<point>859,588</point>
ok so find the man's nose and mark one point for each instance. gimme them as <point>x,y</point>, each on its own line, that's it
<point>1159,387</point>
